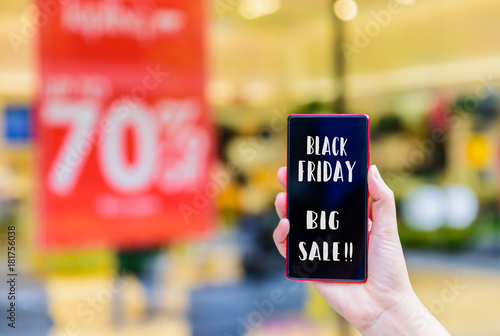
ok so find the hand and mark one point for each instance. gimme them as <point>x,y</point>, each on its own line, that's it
<point>385,304</point>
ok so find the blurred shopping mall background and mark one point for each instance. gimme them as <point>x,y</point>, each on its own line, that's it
<point>140,141</point>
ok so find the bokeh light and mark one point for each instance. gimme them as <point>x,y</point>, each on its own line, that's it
<point>252,9</point>
<point>345,10</point>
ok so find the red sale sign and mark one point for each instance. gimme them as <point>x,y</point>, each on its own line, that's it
<point>124,137</point>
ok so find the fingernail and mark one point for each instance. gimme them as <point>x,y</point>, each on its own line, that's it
<point>377,174</point>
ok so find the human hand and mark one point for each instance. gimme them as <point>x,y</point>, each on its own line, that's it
<point>385,304</point>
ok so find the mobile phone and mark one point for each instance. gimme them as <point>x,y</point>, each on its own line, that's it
<point>327,200</point>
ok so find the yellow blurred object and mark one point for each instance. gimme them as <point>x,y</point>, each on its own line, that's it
<point>479,152</point>
<point>89,310</point>
<point>229,199</point>
<point>265,177</point>
<point>316,307</point>
<point>91,305</point>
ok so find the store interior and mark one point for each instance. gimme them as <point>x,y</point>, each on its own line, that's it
<point>427,74</point>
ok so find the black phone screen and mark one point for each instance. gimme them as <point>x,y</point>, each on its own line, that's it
<point>327,197</point>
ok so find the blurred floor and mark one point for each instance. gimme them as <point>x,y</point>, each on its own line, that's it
<point>461,290</point>
<point>463,296</point>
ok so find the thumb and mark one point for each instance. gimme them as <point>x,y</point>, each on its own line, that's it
<point>383,210</point>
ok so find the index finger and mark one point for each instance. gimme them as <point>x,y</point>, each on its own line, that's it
<point>282,175</point>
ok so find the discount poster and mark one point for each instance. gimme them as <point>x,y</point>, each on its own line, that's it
<point>124,138</point>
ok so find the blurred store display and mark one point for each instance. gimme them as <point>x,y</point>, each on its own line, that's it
<point>212,134</point>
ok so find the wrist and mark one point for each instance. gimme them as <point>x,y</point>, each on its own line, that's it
<point>408,317</point>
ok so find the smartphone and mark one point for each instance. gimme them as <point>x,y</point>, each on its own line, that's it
<point>327,201</point>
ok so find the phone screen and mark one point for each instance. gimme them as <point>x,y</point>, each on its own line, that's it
<point>327,197</point>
